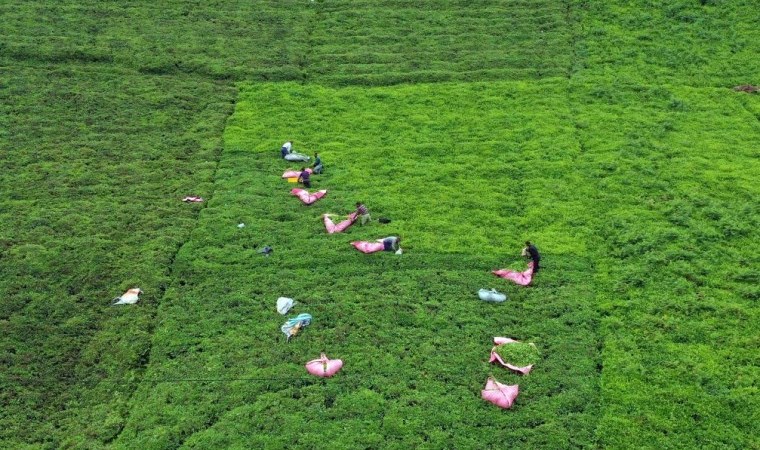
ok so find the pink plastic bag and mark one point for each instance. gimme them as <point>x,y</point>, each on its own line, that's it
<point>496,358</point>
<point>192,199</point>
<point>324,367</point>
<point>368,247</point>
<point>341,226</point>
<point>521,278</point>
<point>306,197</point>
<point>499,394</point>
<point>294,173</point>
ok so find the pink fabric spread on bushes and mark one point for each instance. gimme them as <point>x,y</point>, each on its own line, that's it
<point>294,173</point>
<point>341,226</point>
<point>495,356</point>
<point>324,367</point>
<point>503,340</point>
<point>499,394</point>
<point>521,278</point>
<point>307,198</point>
<point>368,247</point>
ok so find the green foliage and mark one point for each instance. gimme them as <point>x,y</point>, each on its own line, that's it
<point>604,131</point>
<point>230,39</point>
<point>414,336</point>
<point>519,354</point>
<point>338,42</point>
<point>680,42</point>
<point>97,164</point>
<point>679,228</point>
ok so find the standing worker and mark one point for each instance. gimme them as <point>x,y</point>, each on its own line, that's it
<point>317,164</point>
<point>531,251</point>
<point>304,178</point>
<point>362,211</point>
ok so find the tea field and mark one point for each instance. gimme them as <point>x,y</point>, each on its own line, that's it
<point>608,133</point>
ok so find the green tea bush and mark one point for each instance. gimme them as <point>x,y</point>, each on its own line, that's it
<point>606,132</point>
<point>672,262</point>
<point>91,207</point>
<point>673,43</point>
<point>518,354</point>
<point>413,335</point>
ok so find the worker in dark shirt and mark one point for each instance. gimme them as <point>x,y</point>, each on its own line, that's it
<point>391,244</point>
<point>286,149</point>
<point>318,168</point>
<point>531,251</point>
<point>304,178</point>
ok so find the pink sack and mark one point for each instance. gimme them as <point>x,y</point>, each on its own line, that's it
<point>341,226</point>
<point>368,247</point>
<point>503,340</point>
<point>307,198</point>
<point>193,199</point>
<point>324,367</point>
<point>521,370</point>
<point>499,394</point>
<point>521,278</point>
<point>495,356</point>
<point>294,173</point>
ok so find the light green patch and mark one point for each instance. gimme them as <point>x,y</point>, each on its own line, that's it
<point>519,354</point>
<point>466,172</point>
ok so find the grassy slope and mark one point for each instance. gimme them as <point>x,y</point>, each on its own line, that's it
<point>93,55</point>
<point>693,43</point>
<point>387,42</point>
<point>347,42</point>
<point>110,115</point>
<point>411,330</point>
<point>217,39</point>
<point>678,284</point>
<point>675,159</point>
<point>622,52</point>
<point>98,162</point>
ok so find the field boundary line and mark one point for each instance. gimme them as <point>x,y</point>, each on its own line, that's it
<point>172,261</point>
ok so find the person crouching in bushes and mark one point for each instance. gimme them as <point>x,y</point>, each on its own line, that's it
<point>392,244</point>
<point>317,164</point>
<point>304,178</point>
<point>363,212</point>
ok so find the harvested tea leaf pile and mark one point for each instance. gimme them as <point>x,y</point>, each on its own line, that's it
<point>518,353</point>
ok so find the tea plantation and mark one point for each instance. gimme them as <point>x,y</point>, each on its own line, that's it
<point>608,133</point>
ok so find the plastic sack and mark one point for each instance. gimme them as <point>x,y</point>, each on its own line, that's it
<point>368,247</point>
<point>521,278</point>
<point>499,394</point>
<point>284,304</point>
<point>491,295</point>
<point>294,173</point>
<point>498,359</point>
<point>324,367</point>
<point>296,157</point>
<point>192,199</point>
<point>294,325</point>
<point>307,198</point>
<point>332,227</point>
<point>128,298</point>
